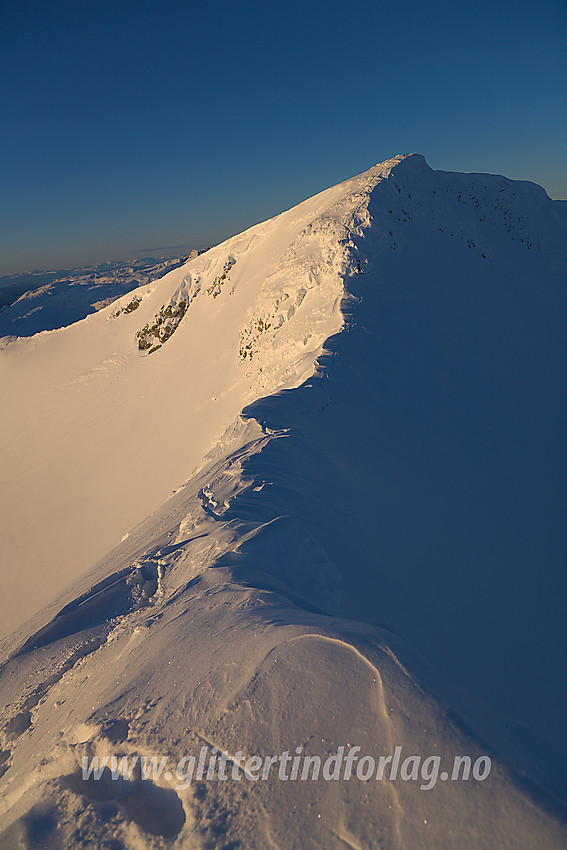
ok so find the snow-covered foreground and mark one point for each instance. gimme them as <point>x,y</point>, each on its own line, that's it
<point>320,469</point>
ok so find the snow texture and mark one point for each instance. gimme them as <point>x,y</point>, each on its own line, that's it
<point>306,490</point>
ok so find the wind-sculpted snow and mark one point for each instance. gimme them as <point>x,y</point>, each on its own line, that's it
<point>90,389</point>
<point>359,415</point>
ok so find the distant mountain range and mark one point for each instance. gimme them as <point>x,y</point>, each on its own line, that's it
<point>45,300</point>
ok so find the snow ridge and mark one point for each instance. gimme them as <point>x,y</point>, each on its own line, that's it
<point>288,480</point>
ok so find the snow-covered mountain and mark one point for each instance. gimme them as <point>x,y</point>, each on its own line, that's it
<point>305,491</point>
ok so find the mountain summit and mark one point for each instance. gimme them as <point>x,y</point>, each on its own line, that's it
<point>303,492</point>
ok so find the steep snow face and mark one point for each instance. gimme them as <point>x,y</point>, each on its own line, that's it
<point>396,465</point>
<point>103,420</point>
<point>442,409</point>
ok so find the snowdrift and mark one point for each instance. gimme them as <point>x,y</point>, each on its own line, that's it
<point>304,492</point>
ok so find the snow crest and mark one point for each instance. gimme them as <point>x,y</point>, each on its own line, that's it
<point>282,529</point>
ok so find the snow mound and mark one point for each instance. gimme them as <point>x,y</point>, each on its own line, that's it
<point>299,494</point>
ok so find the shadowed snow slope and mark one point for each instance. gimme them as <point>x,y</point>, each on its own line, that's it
<point>360,407</point>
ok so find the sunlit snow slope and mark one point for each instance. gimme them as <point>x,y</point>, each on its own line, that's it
<point>97,432</point>
<point>360,407</point>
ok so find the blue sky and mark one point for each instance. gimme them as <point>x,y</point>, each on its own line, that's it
<point>131,124</point>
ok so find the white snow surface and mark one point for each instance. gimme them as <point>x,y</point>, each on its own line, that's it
<point>305,492</point>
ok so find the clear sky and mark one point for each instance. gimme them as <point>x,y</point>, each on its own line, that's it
<point>130,125</point>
